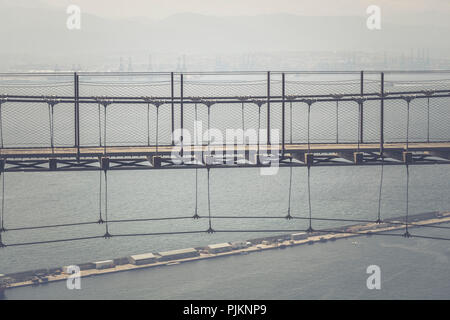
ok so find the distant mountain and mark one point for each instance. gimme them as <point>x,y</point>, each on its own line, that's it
<point>42,31</point>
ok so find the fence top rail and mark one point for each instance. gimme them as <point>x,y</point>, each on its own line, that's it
<point>95,73</point>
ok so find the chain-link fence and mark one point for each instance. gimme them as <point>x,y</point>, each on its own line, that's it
<point>143,109</point>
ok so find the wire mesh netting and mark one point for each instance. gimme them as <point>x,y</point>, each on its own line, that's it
<point>60,84</point>
<point>248,101</point>
<point>416,82</point>
<point>125,85</point>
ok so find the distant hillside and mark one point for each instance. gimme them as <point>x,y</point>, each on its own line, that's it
<point>43,31</point>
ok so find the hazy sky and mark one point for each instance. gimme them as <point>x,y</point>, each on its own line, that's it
<point>158,9</point>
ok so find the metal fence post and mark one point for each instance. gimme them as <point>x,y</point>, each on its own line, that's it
<point>283,122</point>
<point>172,106</point>
<point>361,115</point>
<point>382,115</point>
<point>181,112</point>
<point>77,112</point>
<point>268,107</point>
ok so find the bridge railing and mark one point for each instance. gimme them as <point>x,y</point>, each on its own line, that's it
<point>140,109</point>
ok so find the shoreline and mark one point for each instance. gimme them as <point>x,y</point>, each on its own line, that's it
<point>255,245</point>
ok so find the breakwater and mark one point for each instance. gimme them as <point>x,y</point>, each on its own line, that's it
<point>167,258</point>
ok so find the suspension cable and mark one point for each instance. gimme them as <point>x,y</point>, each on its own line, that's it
<point>51,124</point>
<point>290,121</point>
<point>157,126</point>
<point>407,234</point>
<point>1,125</point>
<point>2,226</point>
<point>408,101</point>
<point>288,216</point>
<point>107,234</point>
<point>104,134</point>
<point>196,216</point>
<point>407,123</point>
<point>242,116</point>
<point>210,229</point>
<point>337,121</point>
<point>310,229</point>
<point>100,220</point>
<point>359,123</point>
<point>259,129</point>
<point>381,233</point>
<point>148,124</point>
<point>209,128</point>
<point>387,222</point>
<point>199,232</point>
<point>208,169</point>
<point>309,119</point>
<point>428,119</point>
<point>381,187</point>
<point>99,125</point>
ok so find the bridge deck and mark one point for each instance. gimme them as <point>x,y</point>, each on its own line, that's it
<point>124,151</point>
<point>150,157</point>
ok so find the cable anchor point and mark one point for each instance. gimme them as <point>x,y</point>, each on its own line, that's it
<point>51,100</point>
<point>196,216</point>
<point>408,99</point>
<point>359,100</point>
<point>428,93</point>
<point>3,98</point>
<point>337,96</point>
<point>152,101</point>
<point>309,102</point>
<point>259,103</point>
<point>243,98</point>
<point>208,103</point>
<point>196,99</point>
<point>104,101</point>
<point>310,230</point>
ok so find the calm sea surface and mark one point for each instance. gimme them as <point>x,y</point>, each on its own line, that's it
<point>341,192</point>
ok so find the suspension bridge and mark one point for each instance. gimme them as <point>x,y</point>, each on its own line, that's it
<point>127,121</point>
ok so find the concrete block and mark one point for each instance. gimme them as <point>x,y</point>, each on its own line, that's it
<point>104,264</point>
<point>140,259</point>
<point>178,254</point>
<point>219,247</point>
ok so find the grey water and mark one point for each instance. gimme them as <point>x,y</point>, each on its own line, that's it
<point>340,192</point>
